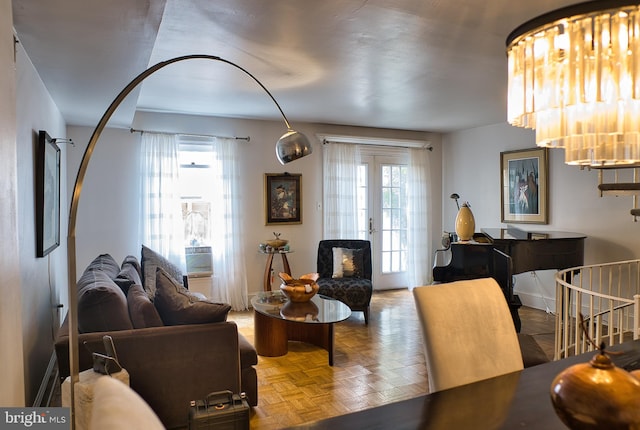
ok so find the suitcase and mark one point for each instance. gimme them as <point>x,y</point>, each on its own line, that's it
<point>220,410</point>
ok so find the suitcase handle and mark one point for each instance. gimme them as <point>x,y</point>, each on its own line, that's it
<point>218,399</point>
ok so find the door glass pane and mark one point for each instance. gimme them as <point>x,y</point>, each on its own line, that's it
<point>394,218</point>
<point>363,203</point>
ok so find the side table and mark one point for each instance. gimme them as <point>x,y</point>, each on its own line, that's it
<point>268,266</point>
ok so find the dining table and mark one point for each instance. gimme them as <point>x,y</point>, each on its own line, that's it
<point>518,400</point>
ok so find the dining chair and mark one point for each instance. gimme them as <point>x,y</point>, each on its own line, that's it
<point>468,332</point>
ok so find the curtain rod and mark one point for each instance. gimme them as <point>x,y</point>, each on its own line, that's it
<point>377,141</point>
<point>247,138</point>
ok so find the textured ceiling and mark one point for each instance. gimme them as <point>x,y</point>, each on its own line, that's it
<point>432,65</point>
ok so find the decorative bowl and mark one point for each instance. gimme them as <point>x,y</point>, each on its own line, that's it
<point>276,243</point>
<point>299,290</point>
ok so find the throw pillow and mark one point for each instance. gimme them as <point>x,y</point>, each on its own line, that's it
<point>177,306</point>
<point>142,312</point>
<point>132,260</point>
<point>151,260</point>
<point>102,306</point>
<point>347,263</point>
<point>104,263</point>
<point>127,277</point>
<point>116,406</point>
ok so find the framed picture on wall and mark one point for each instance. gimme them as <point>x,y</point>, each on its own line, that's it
<point>47,195</point>
<point>524,184</point>
<point>283,198</point>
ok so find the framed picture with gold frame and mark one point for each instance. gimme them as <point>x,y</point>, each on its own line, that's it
<point>283,198</point>
<point>524,183</point>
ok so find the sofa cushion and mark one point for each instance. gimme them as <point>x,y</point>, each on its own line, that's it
<point>104,263</point>
<point>133,261</point>
<point>142,312</point>
<point>127,277</point>
<point>248,355</point>
<point>176,305</point>
<point>102,306</point>
<point>151,260</point>
<point>347,263</point>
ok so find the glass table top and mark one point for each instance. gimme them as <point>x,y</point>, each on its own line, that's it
<point>320,309</point>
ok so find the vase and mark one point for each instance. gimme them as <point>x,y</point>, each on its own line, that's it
<point>465,223</point>
<point>597,395</point>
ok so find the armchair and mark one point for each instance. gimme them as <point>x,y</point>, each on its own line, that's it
<point>345,274</point>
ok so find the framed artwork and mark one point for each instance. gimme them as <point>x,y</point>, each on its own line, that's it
<point>283,198</point>
<point>524,183</point>
<point>47,195</point>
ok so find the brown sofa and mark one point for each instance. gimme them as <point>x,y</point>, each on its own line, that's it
<point>176,349</point>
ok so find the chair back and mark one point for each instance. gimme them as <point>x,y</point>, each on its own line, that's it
<point>325,255</point>
<point>468,332</point>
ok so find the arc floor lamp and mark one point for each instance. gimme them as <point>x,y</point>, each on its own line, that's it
<point>290,147</point>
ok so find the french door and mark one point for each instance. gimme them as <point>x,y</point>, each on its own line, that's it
<point>382,219</point>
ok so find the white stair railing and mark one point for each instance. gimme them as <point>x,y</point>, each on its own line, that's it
<point>608,297</point>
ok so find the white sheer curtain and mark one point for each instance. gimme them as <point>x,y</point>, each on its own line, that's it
<point>161,214</point>
<point>418,216</point>
<point>340,187</point>
<point>226,231</point>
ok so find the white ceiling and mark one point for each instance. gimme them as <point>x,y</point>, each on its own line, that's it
<point>432,65</point>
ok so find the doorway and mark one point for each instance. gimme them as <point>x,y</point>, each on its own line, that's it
<point>382,216</point>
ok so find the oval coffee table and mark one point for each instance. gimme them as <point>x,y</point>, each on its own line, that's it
<point>278,320</point>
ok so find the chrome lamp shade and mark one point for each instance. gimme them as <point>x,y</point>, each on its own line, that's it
<point>291,146</point>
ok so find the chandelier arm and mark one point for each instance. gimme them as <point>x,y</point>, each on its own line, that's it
<point>77,190</point>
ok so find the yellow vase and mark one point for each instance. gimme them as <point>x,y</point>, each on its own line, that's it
<point>465,223</point>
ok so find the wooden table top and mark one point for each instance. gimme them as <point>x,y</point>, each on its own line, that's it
<point>516,400</point>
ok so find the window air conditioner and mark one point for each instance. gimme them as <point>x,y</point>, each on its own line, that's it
<point>199,261</point>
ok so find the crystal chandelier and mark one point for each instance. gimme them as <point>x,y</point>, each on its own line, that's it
<point>574,77</point>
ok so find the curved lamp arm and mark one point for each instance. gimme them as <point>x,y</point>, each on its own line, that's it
<point>291,146</point>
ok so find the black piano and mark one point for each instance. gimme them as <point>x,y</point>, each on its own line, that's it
<point>502,252</point>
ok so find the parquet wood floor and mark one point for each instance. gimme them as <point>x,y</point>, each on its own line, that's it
<point>373,365</point>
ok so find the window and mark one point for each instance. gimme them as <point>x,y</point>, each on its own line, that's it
<point>197,161</point>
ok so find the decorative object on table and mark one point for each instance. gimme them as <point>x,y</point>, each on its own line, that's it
<point>465,223</point>
<point>455,197</point>
<point>300,311</point>
<point>524,184</point>
<point>597,395</point>
<point>299,290</point>
<point>275,244</point>
<point>283,198</point>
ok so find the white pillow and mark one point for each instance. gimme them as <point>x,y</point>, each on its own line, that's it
<point>338,256</point>
<point>116,406</point>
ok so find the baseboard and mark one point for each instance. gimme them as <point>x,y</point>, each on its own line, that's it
<point>537,301</point>
<point>48,384</point>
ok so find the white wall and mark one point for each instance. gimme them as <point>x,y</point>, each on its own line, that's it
<point>11,353</point>
<point>43,280</point>
<point>107,221</point>
<point>471,168</point>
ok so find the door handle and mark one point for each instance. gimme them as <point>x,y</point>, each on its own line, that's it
<point>371,229</point>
